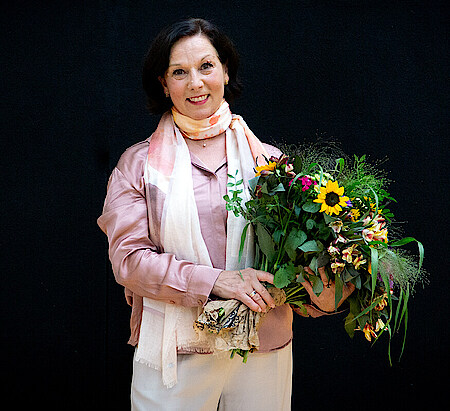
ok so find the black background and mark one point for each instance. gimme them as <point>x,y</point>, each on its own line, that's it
<point>370,74</point>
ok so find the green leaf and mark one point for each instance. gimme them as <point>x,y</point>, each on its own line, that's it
<point>243,237</point>
<point>279,187</point>
<point>327,218</point>
<point>309,246</point>
<point>297,164</point>
<point>355,308</point>
<point>323,259</point>
<point>264,188</point>
<point>300,276</point>
<point>367,309</point>
<point>277,236</point>
<point>252,183</point>
<point>310,223</point>
<point>313,265</point>
<point>316,283</point>
<point>311,207</point>
<point>284,275</point>
<point>265,242</point>
<point>295,239</point>
<point>349,324</point>
<point>340,162</point>
<point>349,273</point>
<point>374,264</point>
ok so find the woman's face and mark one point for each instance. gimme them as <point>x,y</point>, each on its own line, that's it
<point>195,77</point>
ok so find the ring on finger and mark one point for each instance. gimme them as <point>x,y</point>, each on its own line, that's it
<point>252,294</point>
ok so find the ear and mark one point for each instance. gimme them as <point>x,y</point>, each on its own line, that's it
<point>162,80</point>
<point>225,73</point>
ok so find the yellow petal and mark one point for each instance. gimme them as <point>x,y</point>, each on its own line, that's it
<point>332,186</point>
<point>343,201</point>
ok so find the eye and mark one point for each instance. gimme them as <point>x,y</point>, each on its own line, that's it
<point>207,66</point>
<point>179,73</point>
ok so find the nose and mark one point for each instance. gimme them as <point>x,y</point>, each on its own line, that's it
<point>195,80</point>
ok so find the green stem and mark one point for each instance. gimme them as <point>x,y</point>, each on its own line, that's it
<point>283,239</point>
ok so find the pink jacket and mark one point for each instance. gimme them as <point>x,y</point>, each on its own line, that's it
<point>137,256</point>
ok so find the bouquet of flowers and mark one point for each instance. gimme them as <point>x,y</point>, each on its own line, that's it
<point>311,209</point>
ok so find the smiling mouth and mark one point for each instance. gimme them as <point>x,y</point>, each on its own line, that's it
<point>198,99</point>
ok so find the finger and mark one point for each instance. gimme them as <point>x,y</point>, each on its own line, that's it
<point>250,303</point>
<point>264,276</point>
<point>267,297</point>
<point>258,300</point>
<point>262,291</point>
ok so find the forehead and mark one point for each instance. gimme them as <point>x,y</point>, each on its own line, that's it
<point>193,47</point>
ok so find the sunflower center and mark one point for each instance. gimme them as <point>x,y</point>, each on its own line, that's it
<point>331,199</point>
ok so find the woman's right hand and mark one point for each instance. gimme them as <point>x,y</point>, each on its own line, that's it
<point>239,285</point>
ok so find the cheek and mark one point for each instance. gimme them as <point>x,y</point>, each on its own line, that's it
<point>176,89</point>
<point>218,82</point>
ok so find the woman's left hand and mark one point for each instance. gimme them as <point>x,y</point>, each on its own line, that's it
<point>325,301</point>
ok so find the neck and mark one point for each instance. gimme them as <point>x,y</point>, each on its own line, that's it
<point>209,127</point>
<point>211,152</point>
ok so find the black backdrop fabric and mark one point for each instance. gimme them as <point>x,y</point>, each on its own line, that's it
<point>371,75</point>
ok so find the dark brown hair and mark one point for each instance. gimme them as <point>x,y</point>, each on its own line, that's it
<point>157,60</point>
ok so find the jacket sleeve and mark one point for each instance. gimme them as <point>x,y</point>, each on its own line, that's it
<point>136,262</point>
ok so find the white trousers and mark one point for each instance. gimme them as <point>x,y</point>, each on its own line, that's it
<point>215,382</point>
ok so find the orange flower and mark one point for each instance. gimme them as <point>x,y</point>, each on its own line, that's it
<point>267,169</point>
<point>337,266</point>
<point>358,261</point>
<point>369,332</point>
<point>383,303</point>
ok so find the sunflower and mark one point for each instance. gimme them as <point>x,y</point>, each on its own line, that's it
<point>267,169</point>
<point>332,198</point>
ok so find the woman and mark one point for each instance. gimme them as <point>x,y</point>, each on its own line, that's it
<point>173,246</point>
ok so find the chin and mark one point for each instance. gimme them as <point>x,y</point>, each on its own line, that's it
<point>200,114</point>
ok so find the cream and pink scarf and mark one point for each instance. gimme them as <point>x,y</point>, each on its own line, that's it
<point>168,327</point>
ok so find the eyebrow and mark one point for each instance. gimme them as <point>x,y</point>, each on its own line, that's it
<point>203,58</point>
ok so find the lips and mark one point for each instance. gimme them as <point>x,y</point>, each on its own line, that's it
<point>198,99</point>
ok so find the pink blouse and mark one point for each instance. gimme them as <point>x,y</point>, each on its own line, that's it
<point>146,271</point>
